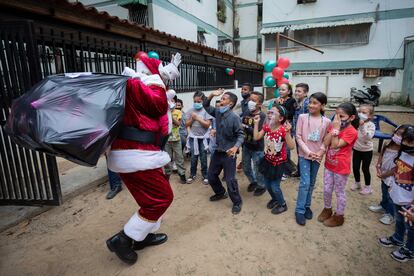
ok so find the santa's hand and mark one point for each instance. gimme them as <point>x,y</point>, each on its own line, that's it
<point>176,59</point>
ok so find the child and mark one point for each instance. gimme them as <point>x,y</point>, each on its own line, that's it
<point>301,107</point>
<point>363,148</point>
<point>385,171</point>
<point>182,129</point>
<point>246,90</point>
<point>229,138</point>
<point>339,140</point>
<point>199,121</point>
<point>311,130</point>
<point>276,133</point>
<point>252,149</point>
<point>285,99</point>
<point>402,194</point>
<point>173,146</point>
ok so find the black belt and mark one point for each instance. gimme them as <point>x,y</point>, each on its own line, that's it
<point>142,136</point>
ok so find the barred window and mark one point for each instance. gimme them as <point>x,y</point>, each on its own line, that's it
<point>339,72</point>
<point>138,14</point>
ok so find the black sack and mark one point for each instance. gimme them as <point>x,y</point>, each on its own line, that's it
<point>75,116</point>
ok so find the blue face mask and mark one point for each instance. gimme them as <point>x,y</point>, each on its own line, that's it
<point>198,106</point>
<point>223,109</point>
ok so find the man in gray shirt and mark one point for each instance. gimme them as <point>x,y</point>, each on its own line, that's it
<point>229,138</point>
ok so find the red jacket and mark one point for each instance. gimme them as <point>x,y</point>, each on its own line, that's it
<point>145,108</point>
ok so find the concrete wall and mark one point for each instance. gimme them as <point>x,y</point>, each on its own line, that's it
<point>384,50</point>
<point>246,22</point>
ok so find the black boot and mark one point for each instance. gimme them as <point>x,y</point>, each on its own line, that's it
<point>121,244</point>
<point>150,239</point>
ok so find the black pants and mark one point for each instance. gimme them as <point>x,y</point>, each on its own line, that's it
<point>365,158</point>
<point>220,161</point>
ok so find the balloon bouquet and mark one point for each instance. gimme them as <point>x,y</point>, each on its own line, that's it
<point>279,76</point>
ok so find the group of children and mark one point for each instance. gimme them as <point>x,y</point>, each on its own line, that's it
<point>267,140</point>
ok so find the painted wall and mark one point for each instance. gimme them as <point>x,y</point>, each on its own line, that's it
<point>288,10</point>
<point>246,22</point>
<point>385,47</point>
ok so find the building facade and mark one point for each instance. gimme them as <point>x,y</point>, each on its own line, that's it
<point>363,42</point>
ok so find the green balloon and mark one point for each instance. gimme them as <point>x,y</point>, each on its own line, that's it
<point>227,70</point>
<point>269,65</point>
<point>270,81</point>
<point>276,93</point>
<point>286,75</point>
<point>153,54</point>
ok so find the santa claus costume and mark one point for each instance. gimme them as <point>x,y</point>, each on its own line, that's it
<point>138,157</point>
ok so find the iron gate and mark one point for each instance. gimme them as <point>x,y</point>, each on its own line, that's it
<point>26,177</point>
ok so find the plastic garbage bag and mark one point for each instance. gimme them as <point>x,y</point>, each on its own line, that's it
<point>75,116</point>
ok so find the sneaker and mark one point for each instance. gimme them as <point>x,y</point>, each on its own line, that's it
<point>205,181</point>
<point>387,219</point>
<point>295,174</point>
<point>217,197</point>
<point>279,209</point>
<point>389,242</point>
<point>367,190</point>
<point>376,209</point>
<point>183,179</point>
<point>191,179</point>
<point>300,219</point>
<point>271,204</point>
<point>236,209</point>
<point>308,213</point>
<point>284,177</point>
<point>356,186</point>
<point>112,193</point>
<point>251,187</point>
<point>259,191</point>
<point>174,168</point>
<point>403,255</point>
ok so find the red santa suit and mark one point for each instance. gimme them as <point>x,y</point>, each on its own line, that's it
<point>140,164</point>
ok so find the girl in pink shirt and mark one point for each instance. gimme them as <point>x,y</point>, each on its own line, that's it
<point>311,129</point>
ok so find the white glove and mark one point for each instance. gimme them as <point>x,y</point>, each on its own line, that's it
<point>176,59</point>
<point>131,73</point>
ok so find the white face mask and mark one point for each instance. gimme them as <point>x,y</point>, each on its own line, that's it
<point>251,105</point>
<point>363,116</point>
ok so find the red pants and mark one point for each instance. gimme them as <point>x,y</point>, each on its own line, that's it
<point>151,191</point>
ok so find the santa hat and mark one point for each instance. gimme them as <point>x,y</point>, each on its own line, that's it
<point>151,65</point>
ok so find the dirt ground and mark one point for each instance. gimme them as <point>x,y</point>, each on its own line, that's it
<point>204,237</point>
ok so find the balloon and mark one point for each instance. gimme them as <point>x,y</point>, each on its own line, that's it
<point>282,81</point>
<point>270,81</point>
<point>283,62</point>
<point>286,75</point>
<point>269,65</point>
<point>277,73</point>
<point>140,54</point>
<point>231,72</point>
<point>227,70</point>
<point>276,93</point>
<point>153,54</point>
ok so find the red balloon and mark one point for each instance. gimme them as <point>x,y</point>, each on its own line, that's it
<point>231,72</point>
<point>140,54</point>
<point>283,80</point>
<point>277,73</point>
<point>283,62</point>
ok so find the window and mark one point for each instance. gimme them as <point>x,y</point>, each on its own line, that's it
<point>225,45</point>
<point>221,11</point>
<point>338,72</point>
<point>259,45</point>
<point>259,12</point>
<point>341,35</point>
<point>201,38</point>
<point>306,1</point>
<point>343,72</point>
<point>138,13</point>
<point>387,72</point>
<point>270,41</point>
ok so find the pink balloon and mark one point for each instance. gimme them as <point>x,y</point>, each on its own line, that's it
<point>231,72</point>
<point>277,73</point>
<point>283,62</point>
<point>284,80</point>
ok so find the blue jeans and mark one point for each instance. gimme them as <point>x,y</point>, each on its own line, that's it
<point>273,187</point>
<point>194,158</point>
<point>401,227</point>
<point>252,173</point>
<point>114,180</point>
<point>386,201</point>
<point>308,172</point>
